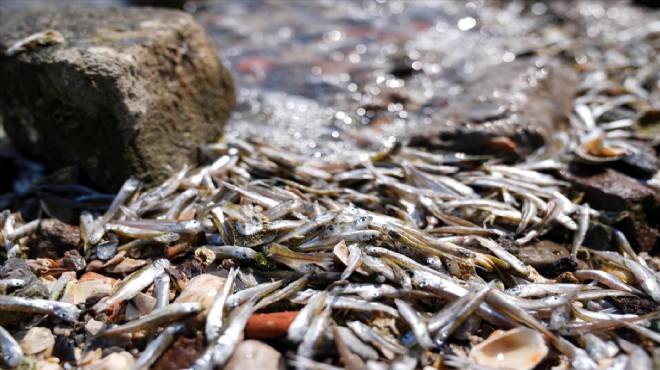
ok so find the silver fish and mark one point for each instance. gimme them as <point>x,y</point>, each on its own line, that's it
<point>65,311</point>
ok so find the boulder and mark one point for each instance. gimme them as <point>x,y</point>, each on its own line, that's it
<point>118,92</point>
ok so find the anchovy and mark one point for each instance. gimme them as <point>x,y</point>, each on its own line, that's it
<point>158,346</point>
<point>415,322</point>
<point>215,315</point>
<point>12,353</point>
<point>298,327</point>
<point>133,284</point>
<point>646,279</point>
<point>65,311</point>
<point>157,318</point>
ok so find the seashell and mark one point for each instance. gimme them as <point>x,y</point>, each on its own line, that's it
<point>521,348</point>
<point>89,285</point>
<point>597,150</point>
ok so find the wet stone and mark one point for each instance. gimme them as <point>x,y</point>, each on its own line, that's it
<point>181,354</point>
<point>510,108</point>
<point>64,349</point>
<point>118,92</point>
<point>607,189</point>
<point>542,254</point>
<point>53,238</point>
<point>253,354</point>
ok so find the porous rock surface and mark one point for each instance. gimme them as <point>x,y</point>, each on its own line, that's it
<point>130,91</point>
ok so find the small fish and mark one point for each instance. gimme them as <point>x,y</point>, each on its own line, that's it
<point>314,333</point>
<point>65,311</point>
<point>215,316</point>
<point>475,296</point>
<point>416,323</point>
<point>646,279</point>
<point>299,326</point>
<point>297,261</point>
<point>133,284</point>
<point>157,318</point>
<point>346,355</point>
<point>162,290</point>
<point>244,295</point>
<point>12,353</point>
<point>158,346</point>
<point>283,293</point>
<point>581,232</point>
<point>389,347</point>
<point>223,347</point>
<point>232,251</point>
<point>354,343</point>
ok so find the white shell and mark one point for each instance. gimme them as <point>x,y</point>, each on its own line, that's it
<point>517,349</point>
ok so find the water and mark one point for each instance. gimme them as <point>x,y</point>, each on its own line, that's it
<point>326,78</point>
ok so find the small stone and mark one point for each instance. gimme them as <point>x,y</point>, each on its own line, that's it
<point>181,354</point>
<point>144,303</point>
<point>53,238</point>
<point>38,340</point>
<point>106,250</point>
<point>253,354</point>
<point>123,91</point>
<point>202,289</point>
<point>89,285</point>
<point>49,364</point>
<point>113,361</point>
<point>131,313</point>
<point>93,326</point>
<point>542,254</point>
<point>127,265</point>
<point>609,190</point>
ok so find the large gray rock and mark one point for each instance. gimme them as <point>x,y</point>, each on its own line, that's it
<point>120,92</point>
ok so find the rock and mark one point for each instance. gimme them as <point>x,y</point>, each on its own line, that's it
<point>64,349</point>
<point>607,189</point>
<point>253,354</point>
<point>181,354</point>
<point>510,108</point>
<point>53,238</point>
<point>38,340</point>
<point>122,91</point>
<point>93,327</point>
<point>89,285</point>
<point>202,289</point>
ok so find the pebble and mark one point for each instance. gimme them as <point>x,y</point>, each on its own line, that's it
<point>38,340</point>
<point>253,354</point>
<point>113,361</point>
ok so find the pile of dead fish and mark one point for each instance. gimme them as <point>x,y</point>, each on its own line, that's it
<point>402,259</point>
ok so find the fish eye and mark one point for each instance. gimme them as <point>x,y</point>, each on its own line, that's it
<point>408,338</point>
<point>423,284</point>
<point>244,255</point>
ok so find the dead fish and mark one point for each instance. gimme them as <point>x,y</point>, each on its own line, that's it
<point>133,284</point>
<point>12,353</point>
<point>65,311</point>
<point>157,318</point>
